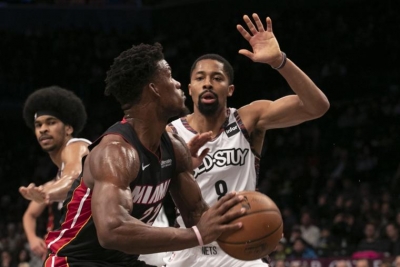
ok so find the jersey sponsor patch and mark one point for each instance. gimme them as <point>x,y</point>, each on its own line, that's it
<point>166,163</point>
<point>232,129</point>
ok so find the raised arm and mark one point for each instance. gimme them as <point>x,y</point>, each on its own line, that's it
<point>308,103</point>
<point>114,164</point>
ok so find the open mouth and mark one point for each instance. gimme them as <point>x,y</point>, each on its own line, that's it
<point>208,98</point>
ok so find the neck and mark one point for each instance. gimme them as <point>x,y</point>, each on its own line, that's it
<point>56,154</point>
<point>148,126</point>
<point>202,123</point>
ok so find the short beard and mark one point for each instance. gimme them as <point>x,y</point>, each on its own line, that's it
<point>49,149</point>
<point>208,109</point>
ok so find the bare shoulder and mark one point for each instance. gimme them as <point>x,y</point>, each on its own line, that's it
<point>182,154</point>
<point>76,147</point>
<point>114,157</point>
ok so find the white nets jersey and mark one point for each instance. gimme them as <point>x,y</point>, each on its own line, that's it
<point>230,164</point>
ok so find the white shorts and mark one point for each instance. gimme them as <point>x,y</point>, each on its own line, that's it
<point>210,255</point>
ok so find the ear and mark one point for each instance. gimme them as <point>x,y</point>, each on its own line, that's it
<point>190,89</point>
<point>154,89</point>
<point>231,89</point>
<point>69,129</point>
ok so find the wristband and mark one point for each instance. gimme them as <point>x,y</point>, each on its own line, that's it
<point>282,63</point>
<point>198,235</point>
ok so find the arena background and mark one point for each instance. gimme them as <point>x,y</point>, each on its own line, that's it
<point>343,168</point>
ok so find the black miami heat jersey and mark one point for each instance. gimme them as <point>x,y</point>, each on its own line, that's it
<point>76,242</point>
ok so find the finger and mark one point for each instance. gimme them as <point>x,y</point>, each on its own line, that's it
<point>246,53</point>
<point>22,190</point>
<point>250,24</point>
<point>227,204</point>
<point>269,24</point>
<point>224,199</point>
<point>232,214</point>
<point>246,35</point>
<point>260,26</point>
<point>203,154</point>
<point>233,227</point>
<point>43,245</point>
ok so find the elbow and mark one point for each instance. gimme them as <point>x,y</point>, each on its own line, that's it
<point>107,234</point>
<point>322,108</point>
<point>107,241</point>
<point>325,105</point>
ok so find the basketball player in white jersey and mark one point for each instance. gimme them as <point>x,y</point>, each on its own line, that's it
<point>56,115</point>
<point>233,158</point>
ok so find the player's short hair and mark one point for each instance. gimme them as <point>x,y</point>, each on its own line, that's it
<point>227,66</point>
<point>131,71</point>
<point>58,102</point>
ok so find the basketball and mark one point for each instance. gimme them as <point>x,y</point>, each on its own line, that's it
<point>261,231</point>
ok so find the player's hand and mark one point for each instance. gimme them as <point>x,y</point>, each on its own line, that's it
<point>195,144</point>
<point>35,193</point>
<point>216,219</point>
<point>24,191</point>
<point>263,42</point>
<point>38,246</point>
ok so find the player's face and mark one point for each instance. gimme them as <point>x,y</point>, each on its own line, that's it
<point>51,132</point>
<point>209,87</point>
<point>173,98</point>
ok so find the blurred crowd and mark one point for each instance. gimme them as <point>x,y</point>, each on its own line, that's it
<point>335,179</point>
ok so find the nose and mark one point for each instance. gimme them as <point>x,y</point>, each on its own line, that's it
<point>43,128</point>
<point>207,83</point>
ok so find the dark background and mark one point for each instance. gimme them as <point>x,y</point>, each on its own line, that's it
<point>349,48</point>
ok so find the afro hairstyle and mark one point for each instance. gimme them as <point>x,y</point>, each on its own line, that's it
<point>65,103</point>
<point>131,71</point>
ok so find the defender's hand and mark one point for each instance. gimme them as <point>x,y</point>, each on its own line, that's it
<point>263,42</point>
<point>195,144</point>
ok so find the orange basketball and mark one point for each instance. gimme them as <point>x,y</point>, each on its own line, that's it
<point>261,231</point>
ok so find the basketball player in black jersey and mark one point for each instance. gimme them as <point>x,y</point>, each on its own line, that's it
<point>56,116</point>
<point>129,170</point>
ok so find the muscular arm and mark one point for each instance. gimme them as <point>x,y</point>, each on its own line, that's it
<point>29,223</point>
<point>184,189</point>
<point>308,103</point>
<point>113,164</point>
<point>71,157</point>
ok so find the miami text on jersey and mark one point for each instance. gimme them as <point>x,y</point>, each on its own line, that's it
<point>147,194</point>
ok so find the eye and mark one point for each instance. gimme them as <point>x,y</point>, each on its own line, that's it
<point>198,78</point>
<point>218,78</point>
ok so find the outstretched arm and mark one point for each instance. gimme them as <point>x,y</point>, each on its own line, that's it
<point>308,103</point>
<point>113,165</point>
<point>71,158</point>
